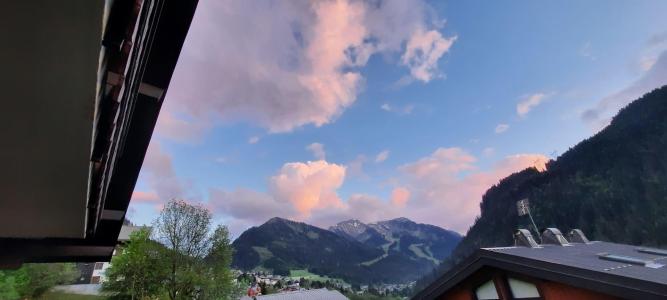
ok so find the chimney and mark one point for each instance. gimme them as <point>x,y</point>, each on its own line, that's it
<point>553,236</point>
<point>577,236</point>
<point>523,238</point>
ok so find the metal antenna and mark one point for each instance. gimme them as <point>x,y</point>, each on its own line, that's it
<point>523,208</point>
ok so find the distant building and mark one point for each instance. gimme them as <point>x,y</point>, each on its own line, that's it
<point>318,294</point>
<point>556,269</point>
<point>93,273</point>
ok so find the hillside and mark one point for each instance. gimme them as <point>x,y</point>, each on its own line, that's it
<point>282,245</point>
<point>613,186</point>
<point>401,235</point>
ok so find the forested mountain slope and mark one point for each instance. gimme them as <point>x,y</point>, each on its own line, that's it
<point>613,186</point>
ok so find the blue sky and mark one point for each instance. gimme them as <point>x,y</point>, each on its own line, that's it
<point>430,84</point>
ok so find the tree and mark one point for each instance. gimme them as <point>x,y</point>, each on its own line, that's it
<point>11,282</point>
<point>41,277</point>
<point>137,272</point>
<point>32,280</point>
<point>197,259</point>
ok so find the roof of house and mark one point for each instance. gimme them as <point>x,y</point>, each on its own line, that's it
<point>125,232</point>
<point>318,294</point>
<point>626,271</point>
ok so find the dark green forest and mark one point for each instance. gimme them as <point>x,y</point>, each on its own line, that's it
<point>613,186</point>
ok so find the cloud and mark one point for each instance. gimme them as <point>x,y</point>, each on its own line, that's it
<point>178,129</point>
<point>423,51</point>
<point>248,205</point>
<point>600,115</point>
<point>400,110</point>
<point>282,65</point>
<point>529,102</point>
<point>489,151</point>
<point>308,186</point>
<point>400,196</point>
<point>587,51</point>
<point>144,197</point>
<point>657,39</point>
<point>160,175</point>
<point>253,140</point>
<point>443,188</point>
<point>355,168</point>
<point>442,162</point>
<point>318,150</point>
<point>501,128</point>
<point>382,156</point>
<point>446,186</point>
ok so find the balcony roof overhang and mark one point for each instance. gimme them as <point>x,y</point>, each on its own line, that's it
<point>84,82</point>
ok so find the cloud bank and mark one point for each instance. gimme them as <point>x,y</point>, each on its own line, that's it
<point>301,66</point>
<point>443,188</point>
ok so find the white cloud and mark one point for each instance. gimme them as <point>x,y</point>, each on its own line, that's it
<point>423,50</point>
<point>587,51</point>
<point>600,115</point>
<point>400,110</point>
<point>382,156</point>
<point>529,102</point>
<point>355,168</point>
<point>253,140</point>
<point>317,150</point>
<point>301,65</point>
<point>489,151</point>
<point>501,128</point>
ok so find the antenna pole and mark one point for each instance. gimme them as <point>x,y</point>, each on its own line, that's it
<point>523,208</point>
<point>535,226</point>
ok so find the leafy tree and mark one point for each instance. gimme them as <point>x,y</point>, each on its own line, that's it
<point>32,280</point>
<point>137,272</point>
<point>41,277</point>
<point>197,258</point>
<point>11,282</point>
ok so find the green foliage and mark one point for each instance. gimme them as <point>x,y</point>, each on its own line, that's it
<point>197,259</point>
<point>138,271</point>
<point>32,280</point>
<point>612,186</point>
<point>189,261</point>
<point>10,283</point>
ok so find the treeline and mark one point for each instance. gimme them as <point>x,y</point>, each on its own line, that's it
<point>613,186</point>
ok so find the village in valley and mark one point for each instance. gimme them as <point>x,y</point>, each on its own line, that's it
<point>300,280</point>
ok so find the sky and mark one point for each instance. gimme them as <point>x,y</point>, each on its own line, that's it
<point>323,111</point>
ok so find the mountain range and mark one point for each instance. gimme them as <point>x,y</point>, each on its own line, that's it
<point>391,251</point>
<point>611,185</point>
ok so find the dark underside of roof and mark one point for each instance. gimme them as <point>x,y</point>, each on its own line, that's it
<point>578,266</point>
<point>121,143</point>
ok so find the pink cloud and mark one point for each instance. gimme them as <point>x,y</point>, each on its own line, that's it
<point>400,196</point>
<point>159,173</point>
<point>301,66</point>
<point>144,197</point>
<point>443,188</point>
<point>442,162</point>
<point>446,187</point>
<point>308,186</point>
